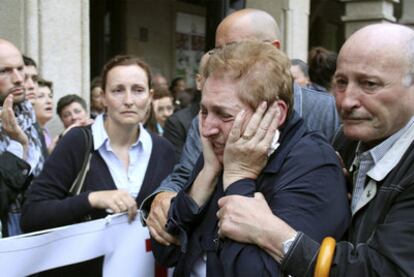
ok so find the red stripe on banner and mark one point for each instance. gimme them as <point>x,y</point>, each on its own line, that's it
<point>148,245</point>
<point>160,271</point>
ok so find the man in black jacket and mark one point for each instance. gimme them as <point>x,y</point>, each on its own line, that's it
<point>374,90</point>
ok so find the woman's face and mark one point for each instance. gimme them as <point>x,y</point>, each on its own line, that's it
<point>43,105</point>
<point>127,95</point>
<point>163,108</point>
<point>73,113</point>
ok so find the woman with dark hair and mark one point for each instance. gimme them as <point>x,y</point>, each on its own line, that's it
<point>322,66</point>
<point>71,110</point>
<point>127,162</point>
<point>96,104</point>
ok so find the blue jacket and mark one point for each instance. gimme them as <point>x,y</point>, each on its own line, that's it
<point>317,109</point>
<point>302,183</point>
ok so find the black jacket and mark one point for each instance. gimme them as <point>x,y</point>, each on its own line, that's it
<point>380,240</point>
<point>14,179</point>
<point>177,125</point>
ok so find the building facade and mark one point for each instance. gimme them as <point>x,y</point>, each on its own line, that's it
<point>72,39</point>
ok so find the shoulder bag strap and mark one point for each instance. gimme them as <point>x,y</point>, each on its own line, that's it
<point>77,185</point>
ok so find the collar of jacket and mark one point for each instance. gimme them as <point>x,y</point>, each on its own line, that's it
<point>290,133</point>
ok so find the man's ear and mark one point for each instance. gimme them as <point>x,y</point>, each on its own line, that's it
<point>276,43</point>
<point>283,111</point>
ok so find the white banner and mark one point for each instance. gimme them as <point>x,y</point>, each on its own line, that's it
<point>125,247</point>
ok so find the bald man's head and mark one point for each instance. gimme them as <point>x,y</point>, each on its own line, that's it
<point>11,72</point>
<point>248,24</point>
<point>373,82</point>
<point>390,43</point>
<point>7,48</point>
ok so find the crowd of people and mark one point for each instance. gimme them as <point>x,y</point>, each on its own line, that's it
<point>270,166</point>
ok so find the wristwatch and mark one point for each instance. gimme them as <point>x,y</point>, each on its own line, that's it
<point>288,243</point>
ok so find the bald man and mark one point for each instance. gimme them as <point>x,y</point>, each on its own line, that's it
<point>20,145</point>
<point>317,109</point>
<point>374,90</point>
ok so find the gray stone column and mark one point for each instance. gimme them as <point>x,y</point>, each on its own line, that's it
<point>296,28</point>
<point>407,17</point>
<point>12,21</point>
<point>359,13</point>
<point>31,29</point>
<point>55,34</point>
<point>64,48</point>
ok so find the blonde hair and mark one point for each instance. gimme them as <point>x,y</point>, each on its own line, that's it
<point>262,70</point>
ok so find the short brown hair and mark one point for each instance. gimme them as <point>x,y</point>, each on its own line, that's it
<point>124,60</point>
<point>160,92</point>
<point>67,100</point>
<point>45,83</point>
<point>263,72</point>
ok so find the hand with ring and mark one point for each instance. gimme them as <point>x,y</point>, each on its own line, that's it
<point>246,151</point>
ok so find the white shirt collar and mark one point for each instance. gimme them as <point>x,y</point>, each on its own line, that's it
<point>100,136</point>
<point>394,154</point>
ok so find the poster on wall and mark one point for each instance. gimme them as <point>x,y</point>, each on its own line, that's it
<point>190,41</point>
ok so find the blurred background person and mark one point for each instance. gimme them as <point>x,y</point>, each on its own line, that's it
<point>31,85</point>
<point>96,98</point>
<point>182,96</point>
<point>72,109</point>
<point>178,124</point>
<point>149,121</point>
<point>322,67</point>
<point>43,107</point>
<point>299,71</point>
<point>159,81</point>
<point>31,78</point>
<point>163,107</point>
